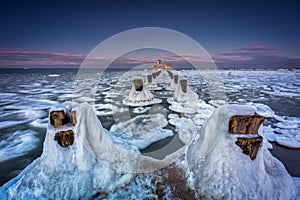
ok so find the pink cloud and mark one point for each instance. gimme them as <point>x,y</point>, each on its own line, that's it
<point>23,57</point>
<point>255,48</point>
<point>257,55</point>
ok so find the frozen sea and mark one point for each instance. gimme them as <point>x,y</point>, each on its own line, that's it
<point>27,95</point>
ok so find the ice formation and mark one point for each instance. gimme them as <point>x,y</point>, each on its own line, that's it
<point>221,170</point>
<point>142,130</point>
<point>139,95</point>
<point>174,82</point>
<point>93,161</point>
<point>184,93</point>
<point>151,84</point>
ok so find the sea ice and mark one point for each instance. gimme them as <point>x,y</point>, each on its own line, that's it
<point>221,170</point>
<point>18,144</point>
<point>263,109</point>
<point>287,142</point>
<point>142,130</point>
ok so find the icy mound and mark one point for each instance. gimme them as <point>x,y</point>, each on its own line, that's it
<point>151,85</point>
<point>73,172</point>
<point>174,83</point>
<point>80,159</point>
<point>221,170</point>
<point>139,95</point>
<point>184,93</point>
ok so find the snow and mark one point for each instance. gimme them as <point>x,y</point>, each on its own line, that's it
<point>297,182</point>
<point>221,170</point>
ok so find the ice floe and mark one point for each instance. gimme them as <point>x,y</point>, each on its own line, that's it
<point>17,144</point>
<point>142,130</point>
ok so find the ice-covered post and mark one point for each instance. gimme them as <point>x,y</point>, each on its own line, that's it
<point>176,79</point>
<point>138,84</point>
<point>183,85</point>
<point>149,78</point>
<point>170,74</point>
<point>246,124</point>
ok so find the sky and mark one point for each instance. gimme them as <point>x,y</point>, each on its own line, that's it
<point>239,34</point>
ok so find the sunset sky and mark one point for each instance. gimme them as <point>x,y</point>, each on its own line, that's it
<point>234,33</point>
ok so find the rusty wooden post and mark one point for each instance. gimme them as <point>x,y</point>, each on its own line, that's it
<point>64,138</point>
<point>245,124</point>
<point>58,118</point>
<point>250,146</point>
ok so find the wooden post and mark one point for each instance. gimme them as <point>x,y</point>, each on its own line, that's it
<point>138,83</point>
<point>149,78</point>
<point>74,121</point>
<point>176,77</point>
<point>64,138</point>
<point>245,124</point>
<point>183,85</point>
<point>58,118</point>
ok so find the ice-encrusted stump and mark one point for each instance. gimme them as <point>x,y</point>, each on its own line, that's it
<point>138,84</point>
<point>75,171</point>
<point>149,79</point>
<point>183,93</point>
<point>96,163</point>
<point>246,124</point>
<point>170,74</point>
<point>151,85</point>
<point>184,100</point>
<point>222,171</point>
<point>174,83</point>
<point>140,95</point>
